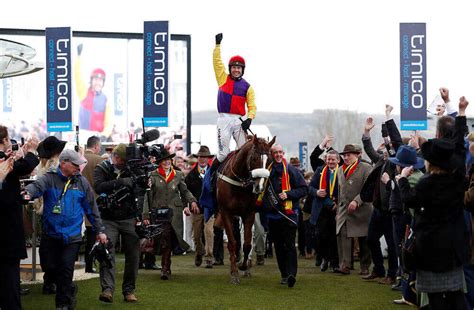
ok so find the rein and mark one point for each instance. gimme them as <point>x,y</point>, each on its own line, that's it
<point>240,182</point>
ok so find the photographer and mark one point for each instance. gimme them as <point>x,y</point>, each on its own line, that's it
<point>12,236</point>
<point>164,203</point>
<point>67,198</point>
<point>112,178</point>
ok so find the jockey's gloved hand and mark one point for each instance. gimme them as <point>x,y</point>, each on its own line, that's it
<point>218,38</point>
<point>246,124</point>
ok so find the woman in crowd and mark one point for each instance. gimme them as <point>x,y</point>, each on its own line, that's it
<point>441,237</point>
<point>164,205</point>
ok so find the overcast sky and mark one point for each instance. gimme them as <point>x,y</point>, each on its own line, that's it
<point>300,55</point>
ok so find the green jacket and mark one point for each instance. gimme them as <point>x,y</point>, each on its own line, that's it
<point>174,195</point>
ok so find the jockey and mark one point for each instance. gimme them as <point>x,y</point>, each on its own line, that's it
<point>234,92</point>
<point>94,114</point>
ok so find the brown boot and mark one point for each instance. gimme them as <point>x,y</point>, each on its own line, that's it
<point>165,263</point>
<point>106,296</point>
<point>130,297</point>
<point>165,275</point>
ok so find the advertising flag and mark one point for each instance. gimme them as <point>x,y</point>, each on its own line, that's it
<point>155,74</point>
<point>303,148</point>
<point>413,76</point>
<point>58,79</point>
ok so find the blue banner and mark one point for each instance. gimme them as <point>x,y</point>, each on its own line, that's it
<point>7,95</point>
<point>155,74</point>
<point>303,150</point>
<point>58,79</point>
<point>119,89</point>
<point>413,76</point>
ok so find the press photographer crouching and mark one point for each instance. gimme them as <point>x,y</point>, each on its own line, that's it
<point>119,209</point>
<point>164,206</point>
<point>67,198</point>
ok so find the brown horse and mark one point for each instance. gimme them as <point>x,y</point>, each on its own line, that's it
<point>244,168</point>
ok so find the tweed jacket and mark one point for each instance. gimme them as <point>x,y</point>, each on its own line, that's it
<point>174,195</point>
<point>349,189</point>
<point>92,161</point>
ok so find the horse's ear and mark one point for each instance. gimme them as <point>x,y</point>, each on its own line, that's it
<point>272,141</point>
<point>255,139</point>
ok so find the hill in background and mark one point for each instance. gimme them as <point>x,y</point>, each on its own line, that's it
<point>292,128</point>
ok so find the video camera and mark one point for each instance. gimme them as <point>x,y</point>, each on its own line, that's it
<point>105,201</point>
<point>138,157</point>
<point>101,253</point>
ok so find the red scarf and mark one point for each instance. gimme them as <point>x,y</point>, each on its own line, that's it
<point>323,180</point>
<point>349,170</point>
<point>168,177</point>
<point>285,187</point>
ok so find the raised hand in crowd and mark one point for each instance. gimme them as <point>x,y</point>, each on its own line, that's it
<point>463,103</point>
<point>6,166</point>
<point>369,124</point>
<point>31,145</point>
<point>444,92</point>
<point>326,143</point>
<point>415,140</point>
<point>388,111</point>
<point>18,154</point>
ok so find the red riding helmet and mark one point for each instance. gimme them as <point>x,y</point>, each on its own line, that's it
<point>237,61</point>
<point>98,73</point>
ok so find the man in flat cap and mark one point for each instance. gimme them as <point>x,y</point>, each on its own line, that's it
<point>353,215</point>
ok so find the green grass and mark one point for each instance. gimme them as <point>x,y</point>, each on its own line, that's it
<point>199,288</point>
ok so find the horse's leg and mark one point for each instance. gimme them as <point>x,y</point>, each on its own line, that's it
<point>218,221</point>
<point>231,245</point>
<point>248,223</point>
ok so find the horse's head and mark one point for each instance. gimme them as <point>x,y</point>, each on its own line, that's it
<point>257,162</point>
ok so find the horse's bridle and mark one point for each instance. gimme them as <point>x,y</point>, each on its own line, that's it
<point>243,182</point>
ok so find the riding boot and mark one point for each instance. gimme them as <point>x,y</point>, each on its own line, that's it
<point>165,263</point>
<point>213,172</point>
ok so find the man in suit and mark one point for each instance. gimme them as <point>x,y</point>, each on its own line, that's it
<point>194,182</point>
<point>353,215</point>
<point>93,158</point>
<point>323,188</point>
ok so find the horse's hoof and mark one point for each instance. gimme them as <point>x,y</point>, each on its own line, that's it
<point>247,273</point>
<point>235,280</point>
